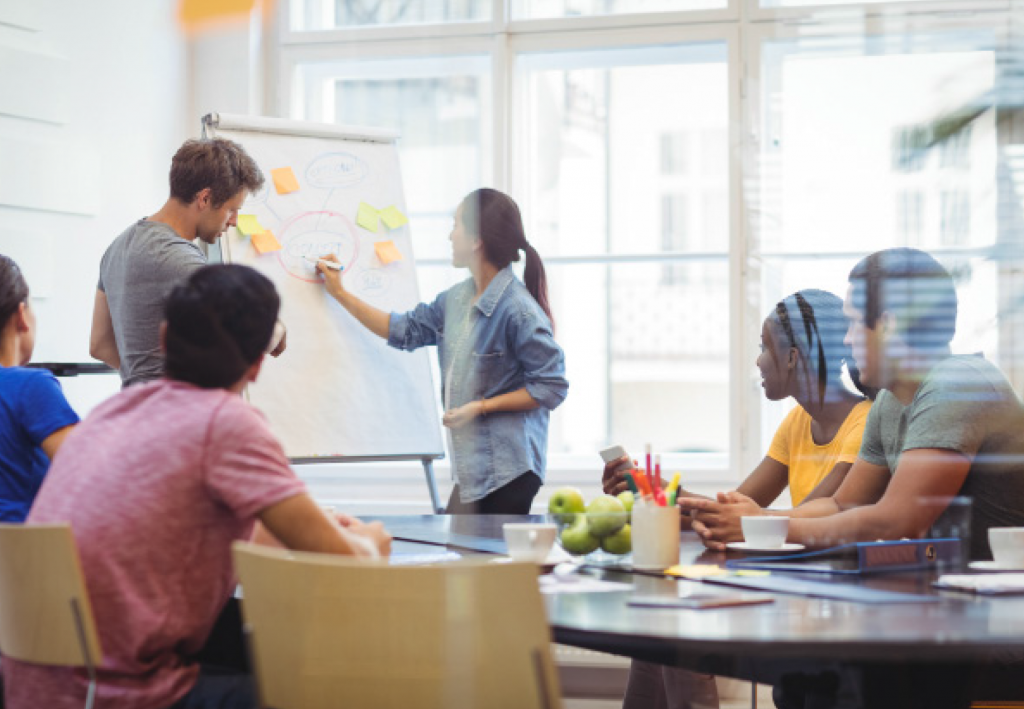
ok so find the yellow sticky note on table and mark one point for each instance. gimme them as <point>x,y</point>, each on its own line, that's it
<point>248,224</point>
<point>284,180</point>
<point>368,217</point>
<point>387,252</point>
<point>695,571</point>
<point>393,217</point>
<point>265,242</point>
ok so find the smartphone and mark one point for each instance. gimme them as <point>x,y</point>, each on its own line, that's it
<point>613,453</point>
<point>700,601</point>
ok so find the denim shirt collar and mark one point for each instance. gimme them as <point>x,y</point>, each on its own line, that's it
<point>495,289</point>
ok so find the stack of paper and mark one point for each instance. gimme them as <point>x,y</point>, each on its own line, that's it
<point>983,583</point>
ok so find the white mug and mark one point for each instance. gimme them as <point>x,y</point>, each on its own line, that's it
<point>529,541</point>
<point>655,536</point>
<point>765,532</point>
<point>1007,546</point>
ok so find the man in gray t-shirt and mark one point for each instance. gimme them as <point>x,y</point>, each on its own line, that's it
<point>966,406</point>
<point>137,273</point>
<point>209,181</point>
<point>942,425</point>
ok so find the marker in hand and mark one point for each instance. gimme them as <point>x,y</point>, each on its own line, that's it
<point>333,265</point>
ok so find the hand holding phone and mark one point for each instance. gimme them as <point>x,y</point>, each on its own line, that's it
<point>616,463</point>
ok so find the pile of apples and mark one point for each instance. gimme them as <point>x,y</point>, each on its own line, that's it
<point>604,523</point>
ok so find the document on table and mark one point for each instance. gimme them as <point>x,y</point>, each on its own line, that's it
<point>575,583</point>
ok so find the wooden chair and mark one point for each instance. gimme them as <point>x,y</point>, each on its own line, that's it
<point>45,615</point>
<point>328,631</point>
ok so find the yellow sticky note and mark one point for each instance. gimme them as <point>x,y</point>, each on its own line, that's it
<point>393,217</point>
<point>387,252</point>
<point>265,242</point>
<point>368,217</point>
<point>752,572</point>
<point>284,180</point>
<point>695,571</point>
<point>248,224</point>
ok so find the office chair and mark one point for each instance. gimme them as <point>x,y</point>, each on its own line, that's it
<point>328,631</point>
<point>45,615</point>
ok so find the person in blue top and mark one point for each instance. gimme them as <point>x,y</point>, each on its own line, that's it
<point>34,415</point>
<point>501,370</point>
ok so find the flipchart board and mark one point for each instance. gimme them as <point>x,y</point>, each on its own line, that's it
<point>338,392</point>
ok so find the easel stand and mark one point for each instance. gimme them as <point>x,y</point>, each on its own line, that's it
<point>427,461</point>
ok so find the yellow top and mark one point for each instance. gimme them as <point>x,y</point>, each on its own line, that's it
<point>809,463</point>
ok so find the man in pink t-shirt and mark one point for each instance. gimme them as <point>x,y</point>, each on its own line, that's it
<point>156,484</point>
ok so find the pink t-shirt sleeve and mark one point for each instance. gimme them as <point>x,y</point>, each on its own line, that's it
<point>246,468</point>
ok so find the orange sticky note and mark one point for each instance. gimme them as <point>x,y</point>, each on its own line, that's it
<point>387,252</point>
<point>265,242</point>
<point>393,218</point>
<point>193,12</point>
<point>284,180</point>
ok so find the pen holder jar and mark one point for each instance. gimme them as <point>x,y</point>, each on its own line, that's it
<point>655,536</point>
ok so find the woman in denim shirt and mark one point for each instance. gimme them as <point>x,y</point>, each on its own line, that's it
<point>502,371</point>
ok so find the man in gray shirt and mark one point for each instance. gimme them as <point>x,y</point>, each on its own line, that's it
<point>209,181</point>
<point>942,425</point>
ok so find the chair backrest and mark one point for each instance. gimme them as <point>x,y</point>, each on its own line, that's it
<point>41,591</point>
<point>328,631</point>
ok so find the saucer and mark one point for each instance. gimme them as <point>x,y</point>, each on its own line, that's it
<point>784,549</point>
<point>993,566</point>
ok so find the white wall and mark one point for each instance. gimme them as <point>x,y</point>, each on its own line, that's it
<point>97,145</point>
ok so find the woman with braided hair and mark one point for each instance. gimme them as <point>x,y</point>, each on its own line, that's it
<point>802,356</point>
<point>34,415</point>
<point>501,370</point>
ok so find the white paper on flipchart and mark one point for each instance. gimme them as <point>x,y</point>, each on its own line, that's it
<point>338,390</point>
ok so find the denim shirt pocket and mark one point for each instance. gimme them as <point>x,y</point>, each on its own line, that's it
<point>489,369</point>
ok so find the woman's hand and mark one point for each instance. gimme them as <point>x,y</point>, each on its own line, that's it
<point>613,479</point>
<point>457,418</point>
<point>718,523</point>
<point>332,277</point>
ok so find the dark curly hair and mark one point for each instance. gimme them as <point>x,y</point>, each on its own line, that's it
<point>219,323</point>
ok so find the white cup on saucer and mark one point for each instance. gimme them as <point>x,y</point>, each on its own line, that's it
<point>764,532</point>
<point>1007,545</point>
<point>529,541</point>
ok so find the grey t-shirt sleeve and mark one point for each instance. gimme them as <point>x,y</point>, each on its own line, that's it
<point>955,410</point>
<point>871,449</point>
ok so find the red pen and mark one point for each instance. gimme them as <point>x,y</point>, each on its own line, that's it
<point>659,494</point>
<point>650,476</point>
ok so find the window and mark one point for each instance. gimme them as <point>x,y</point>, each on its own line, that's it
<point>849,130</point>
<point>681,166</point>
<point>331,14</point>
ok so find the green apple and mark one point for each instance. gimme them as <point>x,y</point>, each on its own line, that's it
<point>606,515</point>
<point>577,539</point>
<point>626,498</point>
<point>566,501</point>
<point>619,543</point>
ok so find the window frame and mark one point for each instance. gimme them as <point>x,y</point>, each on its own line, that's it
<point>745,27</point>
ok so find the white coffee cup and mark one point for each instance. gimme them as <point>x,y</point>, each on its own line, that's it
<point>764,532</point>
<point>529,541</point>
<point>1007,545</point>
<point>655,533</point>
